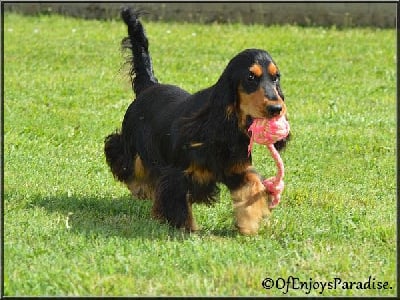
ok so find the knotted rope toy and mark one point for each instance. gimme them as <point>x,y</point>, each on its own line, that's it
<point>267,132</point>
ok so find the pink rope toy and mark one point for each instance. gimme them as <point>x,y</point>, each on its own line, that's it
<point>267,132</point>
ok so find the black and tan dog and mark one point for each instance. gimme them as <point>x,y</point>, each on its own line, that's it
<point>174,147</point>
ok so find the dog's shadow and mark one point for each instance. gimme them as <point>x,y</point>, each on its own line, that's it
<point>124,217</point>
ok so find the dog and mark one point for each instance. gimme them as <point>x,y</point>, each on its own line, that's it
<point>175,147</point>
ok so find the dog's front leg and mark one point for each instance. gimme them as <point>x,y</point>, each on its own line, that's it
<point>250,201</point>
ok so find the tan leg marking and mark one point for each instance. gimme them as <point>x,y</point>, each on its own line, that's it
<point>250,203</point>
<point>139,187</point>
<point>190,224</point>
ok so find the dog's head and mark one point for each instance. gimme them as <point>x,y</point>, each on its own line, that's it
<point>255,91</point>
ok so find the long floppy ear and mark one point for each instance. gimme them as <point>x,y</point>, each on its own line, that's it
<point>223,100</point>
<point>224,91</point>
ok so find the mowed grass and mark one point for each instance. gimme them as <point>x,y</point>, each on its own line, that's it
<point>70,229</point>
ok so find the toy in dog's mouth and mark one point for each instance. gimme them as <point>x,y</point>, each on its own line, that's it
<point>267,132</point>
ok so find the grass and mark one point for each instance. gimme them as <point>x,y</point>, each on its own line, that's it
<point>70,229</point>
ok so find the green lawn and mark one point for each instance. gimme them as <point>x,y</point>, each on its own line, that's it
<point>70,229</point>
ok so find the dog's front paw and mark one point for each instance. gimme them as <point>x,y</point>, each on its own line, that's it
<point>249,212</point>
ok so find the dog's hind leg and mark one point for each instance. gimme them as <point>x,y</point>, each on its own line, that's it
<point>171,201</point>
<point>126,166</point>
<point>140,185</point>
<point>119,157</point>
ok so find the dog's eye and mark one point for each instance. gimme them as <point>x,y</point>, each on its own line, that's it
<point>251,76</point>
<point>275,78</point>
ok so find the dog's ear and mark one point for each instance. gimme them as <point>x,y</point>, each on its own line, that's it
<point>225,93</point>
<point>223,102</point>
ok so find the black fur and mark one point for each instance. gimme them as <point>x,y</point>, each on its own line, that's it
<point>174,132</point>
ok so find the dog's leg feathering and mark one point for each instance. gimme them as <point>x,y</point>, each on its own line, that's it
<point>171,200</point>
<point>119,161</point>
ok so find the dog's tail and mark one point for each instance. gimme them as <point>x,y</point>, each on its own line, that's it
<point>141,72</point>
<point>120,162</point>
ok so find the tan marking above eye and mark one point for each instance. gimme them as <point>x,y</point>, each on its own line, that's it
<point>256,69</point>
<point>272,69</point>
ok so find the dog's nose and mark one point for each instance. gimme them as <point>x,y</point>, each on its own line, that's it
<point>274,109</point>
